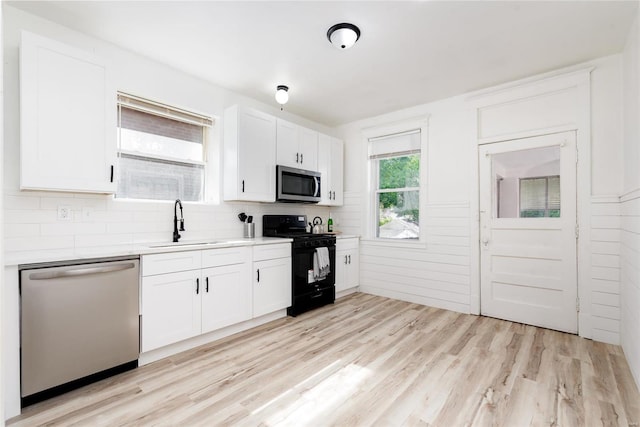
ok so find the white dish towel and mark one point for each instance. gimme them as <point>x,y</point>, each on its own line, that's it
<point>321,263</point>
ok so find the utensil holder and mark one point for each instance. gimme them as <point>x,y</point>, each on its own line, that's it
<point>249,230</point>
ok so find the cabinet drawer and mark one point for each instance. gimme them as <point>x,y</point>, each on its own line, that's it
<point>350,243</point>
<point>224,256</point>
<point>279,250</point>
<point>171,262</point>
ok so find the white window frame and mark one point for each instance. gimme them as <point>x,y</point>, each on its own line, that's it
<point>370,232</point>
<point>171,112</point>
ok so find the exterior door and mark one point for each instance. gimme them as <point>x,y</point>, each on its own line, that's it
<point>528,231</point>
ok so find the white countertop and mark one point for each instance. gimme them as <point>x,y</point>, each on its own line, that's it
<point>347,236</point>
<point>51,255</point>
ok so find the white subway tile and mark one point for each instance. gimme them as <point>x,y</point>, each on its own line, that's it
<point>21,202</point>
<point>21,230</point>
<point>89,228</point>
<point>103,240</point>
<point>30,216</point>
<point>58,229</point>
<point>37,243</point>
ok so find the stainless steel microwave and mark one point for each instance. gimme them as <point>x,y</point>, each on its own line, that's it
<point>297,185</point>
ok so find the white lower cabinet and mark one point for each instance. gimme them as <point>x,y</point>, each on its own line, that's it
<point>347,264</point>
<point>226,298</point>
<point>189,293</point>
<point>177,305</point>
<point>170,308</point>
<point>271,278</point>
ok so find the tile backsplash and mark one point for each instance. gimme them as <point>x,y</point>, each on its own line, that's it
<point>32,220</point>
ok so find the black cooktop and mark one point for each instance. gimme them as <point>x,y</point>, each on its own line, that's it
<point>290,226</point>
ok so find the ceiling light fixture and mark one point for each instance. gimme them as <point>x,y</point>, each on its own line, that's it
<point>282,94</point>
<point>343,35</point>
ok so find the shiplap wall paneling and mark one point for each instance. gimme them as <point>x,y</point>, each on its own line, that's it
<point>436,275</point>
<point>605,269</point>
<point>630,281</point>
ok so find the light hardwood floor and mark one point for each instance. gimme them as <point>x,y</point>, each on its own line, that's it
<point>365,361</point>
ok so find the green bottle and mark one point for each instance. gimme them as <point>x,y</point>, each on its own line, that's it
<point>330,224</point>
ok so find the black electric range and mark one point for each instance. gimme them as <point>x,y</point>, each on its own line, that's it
<point>308,291</point>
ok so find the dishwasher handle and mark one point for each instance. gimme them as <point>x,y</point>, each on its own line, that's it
<point>75,272</point>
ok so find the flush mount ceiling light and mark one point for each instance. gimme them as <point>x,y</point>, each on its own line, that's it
<point>282,94</point>
<point>343,35</point>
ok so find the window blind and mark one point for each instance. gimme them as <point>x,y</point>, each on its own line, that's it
<point>163,110</point>
<point>399,144</point>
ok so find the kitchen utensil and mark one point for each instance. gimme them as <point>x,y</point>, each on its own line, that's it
<point>242,216</point>
<point>250,219</point>
<point>249,230</point>
<point>318,228</point>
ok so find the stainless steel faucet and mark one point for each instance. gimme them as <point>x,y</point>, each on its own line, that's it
<point>176,235</point>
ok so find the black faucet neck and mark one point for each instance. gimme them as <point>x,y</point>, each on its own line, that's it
<point>176,235</point>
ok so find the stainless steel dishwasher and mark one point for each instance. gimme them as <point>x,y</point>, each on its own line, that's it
<point>79,323</point>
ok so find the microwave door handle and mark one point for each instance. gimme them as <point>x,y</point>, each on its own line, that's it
<point>316,192</point>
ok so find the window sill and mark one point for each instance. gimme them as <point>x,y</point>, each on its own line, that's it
<point>395,243</point>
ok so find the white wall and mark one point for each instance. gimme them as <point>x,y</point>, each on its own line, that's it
<point>630,205</point>
<point>443,272</point>
<point>2,314</point>
<point>437,273</point>
<point>31,217</point>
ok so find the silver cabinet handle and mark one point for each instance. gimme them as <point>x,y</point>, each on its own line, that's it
<point>349,259</point>
<point>345,259</point>
<point>297,157</point>
<point>301,158</point>
<point>45,275</point>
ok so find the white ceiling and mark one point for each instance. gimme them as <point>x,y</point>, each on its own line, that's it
<point>409,53</point>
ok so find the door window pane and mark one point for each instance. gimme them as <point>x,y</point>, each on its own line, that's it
<point>527,183</point>
<point>540,197</point>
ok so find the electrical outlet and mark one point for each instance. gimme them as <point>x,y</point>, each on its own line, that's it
<point>64,213</point>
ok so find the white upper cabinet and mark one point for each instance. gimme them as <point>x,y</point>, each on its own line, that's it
<point>330,165</point>
<point>249,155</point>
<point>297,146</point>
<point>67,118</point>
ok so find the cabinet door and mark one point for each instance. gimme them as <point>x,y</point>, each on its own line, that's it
<point>308,148</point>
<point>341,270</point>
<point>256,156</point>
<point>287,136</point>
<point>347,264</point>
<point>226,296</point>
<point>324,167</point>
<point>352,277</point>
<point>337,172</point>
<point>271,286</point>
<point>170,308</point>
<point>67,118</point>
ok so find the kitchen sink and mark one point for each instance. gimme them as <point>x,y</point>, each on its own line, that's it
<point>179,244</point>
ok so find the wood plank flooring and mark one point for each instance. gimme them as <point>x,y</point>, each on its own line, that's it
<point>366,361</point>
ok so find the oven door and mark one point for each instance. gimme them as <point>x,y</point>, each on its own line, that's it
<point>303,281</point>
<point>297,185</point>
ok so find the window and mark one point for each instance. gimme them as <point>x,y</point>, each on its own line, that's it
<point>540,197</point>
<point>161,152</point>
<point>395,163</point>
